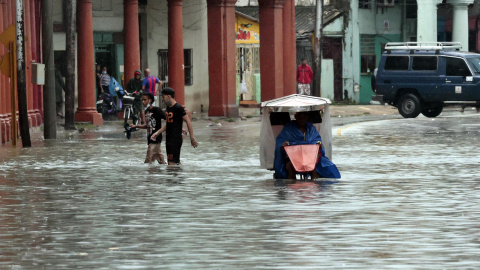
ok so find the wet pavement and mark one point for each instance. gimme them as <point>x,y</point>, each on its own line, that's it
<point>408,199</point>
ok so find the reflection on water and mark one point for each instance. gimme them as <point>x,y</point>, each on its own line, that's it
<point>406,200</point>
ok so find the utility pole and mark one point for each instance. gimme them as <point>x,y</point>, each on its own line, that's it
<point>49,111</point>
<point>70,11</point>
<point>21,80</point>
<point>317,51</point>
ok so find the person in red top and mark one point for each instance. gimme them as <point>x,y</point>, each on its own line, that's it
<point>304,77</point>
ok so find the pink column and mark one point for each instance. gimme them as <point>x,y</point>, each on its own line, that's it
<point>8,19</point>
<point>131,38</point>
<point>271,48</point>
<point>86,111</point>
<point>289,49</point>
<point>176,74</point>
<point>221,58</point>
<point>32,117</point>
<point>34,43</point>
<point>38,20</point>
<point>3,86</point>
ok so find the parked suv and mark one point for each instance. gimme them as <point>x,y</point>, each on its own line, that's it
<point>424,77</point>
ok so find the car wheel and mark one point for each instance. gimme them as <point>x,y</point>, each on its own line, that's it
<point>432,111</point>
<point>409,106</point>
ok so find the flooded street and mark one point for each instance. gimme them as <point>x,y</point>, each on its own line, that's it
<point>408,199</point>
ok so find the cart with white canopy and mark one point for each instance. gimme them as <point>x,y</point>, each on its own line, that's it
<point>278,112</point>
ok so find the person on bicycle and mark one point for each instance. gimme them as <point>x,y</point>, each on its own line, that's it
<point>134,88</point>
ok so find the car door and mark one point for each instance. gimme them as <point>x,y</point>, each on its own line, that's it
<point>457,84</point>
<point>424,74</point>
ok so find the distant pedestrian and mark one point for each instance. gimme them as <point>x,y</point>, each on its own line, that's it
<point>150,83</point>
<point>176,115</point>
<point>59,88</point>
<point>153,117</point>
<point>105,81</point>
<point>98,78</point>
<point>477,106</point>
<point>304,77</point>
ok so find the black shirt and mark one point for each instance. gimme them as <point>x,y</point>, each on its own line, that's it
<point>153,118</point>
<point>134,85</point>
<point>175,116</point>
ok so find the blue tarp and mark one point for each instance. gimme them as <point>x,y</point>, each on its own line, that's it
<point>113,85</point>
<point>325,168</point>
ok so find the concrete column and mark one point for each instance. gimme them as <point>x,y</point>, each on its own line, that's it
<point>86,111</point>
<point>427,20</point>
<point>131,38</point>
<point>460,22</point>
<point>221,58</point>
<point>289,49</point>
<point>176,75</point>
<point>271,48</point>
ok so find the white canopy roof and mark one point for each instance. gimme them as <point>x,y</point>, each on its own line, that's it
<point>292,103</point>
<point>297,100</point>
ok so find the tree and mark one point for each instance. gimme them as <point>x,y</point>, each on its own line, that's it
<point>49,111</point>
<point>69,7</point>
<point>21,79</point>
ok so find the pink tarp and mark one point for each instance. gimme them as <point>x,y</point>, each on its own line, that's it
<point>303,157</point>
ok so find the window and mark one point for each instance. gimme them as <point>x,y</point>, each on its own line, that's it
<point>188,66</point>
<point>368,63</point>
<point>163,66</point>
<point>411,9</point>
<point>364,3</point>
<point>396,63</point>
<point>474,64</point>
<point>102,5</point>
<point>457,67</point>
<point>424,63</point>
<point>368,59</point>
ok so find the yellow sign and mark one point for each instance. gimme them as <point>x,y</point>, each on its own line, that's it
<point>6,37</point>
<point>5,64</point>
<point>247,31</point>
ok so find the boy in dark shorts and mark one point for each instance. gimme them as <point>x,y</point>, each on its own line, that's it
<point>153,123</point>
<point>176,115</point>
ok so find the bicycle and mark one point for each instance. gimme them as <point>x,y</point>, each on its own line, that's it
<point>129,100</point>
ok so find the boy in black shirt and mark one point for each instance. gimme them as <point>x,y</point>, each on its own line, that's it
<point>153,117</point>
<point>175,117</point>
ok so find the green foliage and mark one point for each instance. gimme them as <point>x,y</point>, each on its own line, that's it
<point>345,102</point>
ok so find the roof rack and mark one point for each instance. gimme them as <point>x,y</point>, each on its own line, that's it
<point>423,46</point>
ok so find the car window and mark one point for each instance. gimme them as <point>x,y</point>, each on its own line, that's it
<point>396,63</point>
<point>474,64</point>
<point>457,67</point>
<point>424,63</point>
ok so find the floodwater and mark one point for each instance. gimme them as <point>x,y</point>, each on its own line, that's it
<point>408,199</point>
